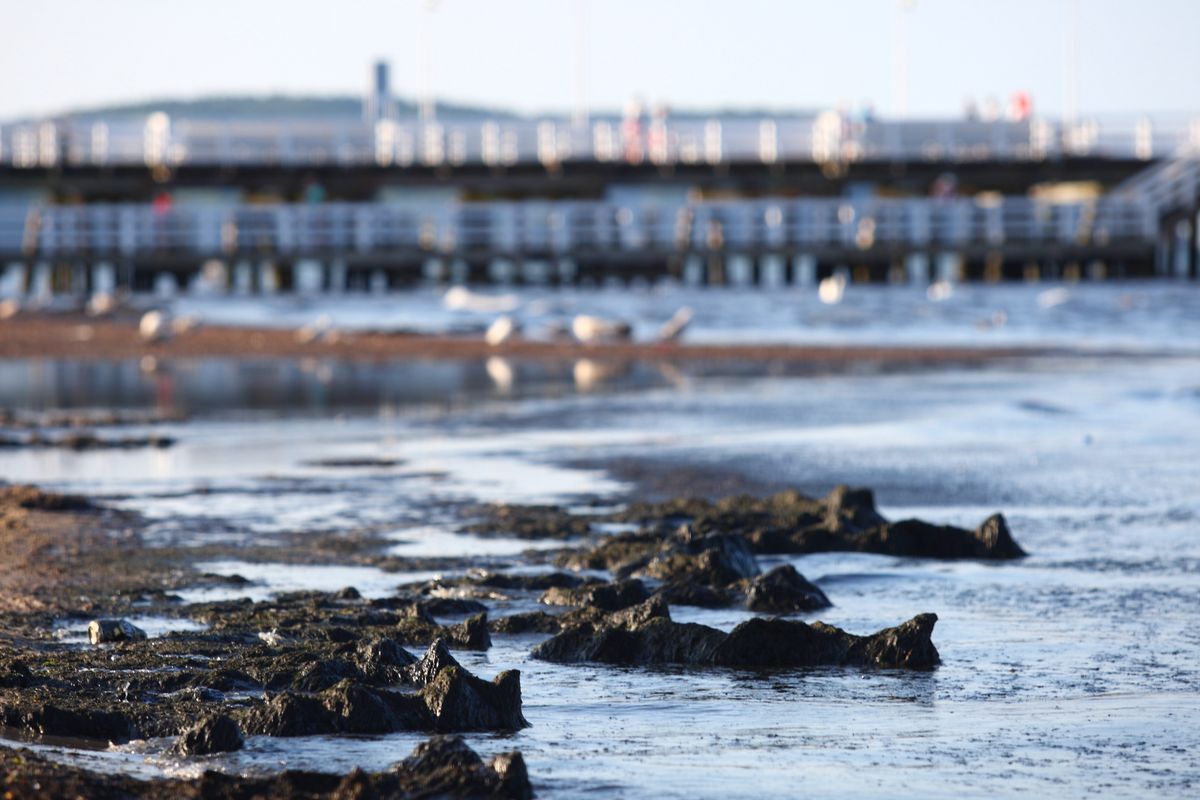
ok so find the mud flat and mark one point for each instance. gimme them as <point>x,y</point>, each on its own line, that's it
<point>79,337</point>
<point>339,664</point>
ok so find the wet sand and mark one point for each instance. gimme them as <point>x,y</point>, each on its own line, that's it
<point>80,337</point>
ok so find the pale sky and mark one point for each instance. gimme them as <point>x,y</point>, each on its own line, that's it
<point>1133,55</point>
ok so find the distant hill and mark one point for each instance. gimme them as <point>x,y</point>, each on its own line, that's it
<point>349,107</point>
<point>276,106</point>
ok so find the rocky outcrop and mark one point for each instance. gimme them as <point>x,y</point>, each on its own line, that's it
<point>647,635</point>
<point>420,629</point>
<point>450,699</point>
<point>458,701</point>
<point>605,596</point>
<point>783,590</point>
<point>214,734</point>
<point>382,660</point>
<point>526,622</point>
<point>443,767</point>
<point>69,719</point>
<point>844,520</point>
<point>528,522</point>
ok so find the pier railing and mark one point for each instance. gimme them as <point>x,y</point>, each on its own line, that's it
<point>563,228</point>
<point>157,140</point>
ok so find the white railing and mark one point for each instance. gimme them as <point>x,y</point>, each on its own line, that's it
<point>830,137</point>
<point>565,227</point>
<point>1166,187</point>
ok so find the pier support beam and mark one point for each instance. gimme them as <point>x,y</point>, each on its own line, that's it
<point>950,267</point>
<point>772,271</point>
<point>104,277</point>
<point>804,269</point>
<point>15,280</point>
<point>268,277</point>
<point>568,271</point>
<point>916,268</point>
<point>717,275</point>
<point>243,278</point>
<point>42,285</point>
<point>1181,235</point>
<point>1194,246</point>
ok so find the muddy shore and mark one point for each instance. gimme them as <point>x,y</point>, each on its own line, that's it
<point>75,336</point>
<point>337,664</point>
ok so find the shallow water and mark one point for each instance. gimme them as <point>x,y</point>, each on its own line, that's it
<point>1143,314</point>
<point>1075,671</point>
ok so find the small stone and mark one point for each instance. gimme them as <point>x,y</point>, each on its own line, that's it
<point>102,631</point>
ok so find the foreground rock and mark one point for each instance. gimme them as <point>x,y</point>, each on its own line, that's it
<point>646,634</point>
<point>788,523</point>
<point>103,631</point>
<point>688,568</point>
<point>214,734</point>
<point>783,590</point>
<point>443,766</point>
<point>336,668</point>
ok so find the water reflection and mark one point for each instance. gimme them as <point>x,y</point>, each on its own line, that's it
<point>313,386</point>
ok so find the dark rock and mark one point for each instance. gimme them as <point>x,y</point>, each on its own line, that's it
<point>731,553</point>
<point>541,582</point>
<point>442,767</point>
<point>651,637</point>
<point>911,537</point>
<point>445,767</point>
<point>436,658</point>
<point>619,554</point>
<point>514,776</point>
<point>844,520</point>
<point>288,714</point>
<point>48,719</point>
<point>314,676</point>
<point>685,593</point>
<point>446,606</point>
<point>15,675</point>
<point>383,660</point>
<point>357,709</point>
<point>472,634</point>
<point>606,596</point>
<point>458,701</point>
<point>214,734</point>
<point>658,642</point>
<point>789,643</point>
<point>784,590</point>
<point>353,463</point>
<point>529,522</point>
<point>419,628</point>
<point>526,622</point>
<point>345,708</point>
<point>33,498</point>
<point>851,509</point>
<point>202,694</point>
<point>102,631</point>
<point>995,540</point>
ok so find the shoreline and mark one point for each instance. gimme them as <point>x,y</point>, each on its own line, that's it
<point>76,336</point>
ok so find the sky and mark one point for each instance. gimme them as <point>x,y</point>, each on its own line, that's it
<point>1132,56</point>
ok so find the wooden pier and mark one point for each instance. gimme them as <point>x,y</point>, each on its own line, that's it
<point>757,202</point>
